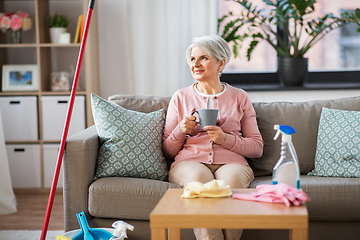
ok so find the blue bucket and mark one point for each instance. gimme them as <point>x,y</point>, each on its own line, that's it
<point>87,233</point>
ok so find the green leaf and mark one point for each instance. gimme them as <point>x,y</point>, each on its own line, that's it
<point>269,3</point>
<point>235,50</point>
<point>251,48</point>
<point>233,32</point>
<point>229,28</point>
<point>357,12</point>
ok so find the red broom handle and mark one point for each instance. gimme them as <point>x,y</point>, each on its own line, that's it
<point>67,123</point>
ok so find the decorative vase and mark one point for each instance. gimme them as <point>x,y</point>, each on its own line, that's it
<point>292,71</point>
<point>55,34</point>
<point>15,37</point>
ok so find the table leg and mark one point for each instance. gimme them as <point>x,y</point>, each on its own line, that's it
<point>298,234</point>
<point>174,234</point>
<point>158,234</point>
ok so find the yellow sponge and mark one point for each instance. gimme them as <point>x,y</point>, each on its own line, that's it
<point>62,237</point>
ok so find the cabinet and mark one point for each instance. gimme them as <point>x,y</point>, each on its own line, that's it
<point>54,110</point>
<point>25,165</point>
<point>36,48</point>
<point>13,111</point>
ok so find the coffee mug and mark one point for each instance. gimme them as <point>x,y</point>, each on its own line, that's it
<point>207,117</point>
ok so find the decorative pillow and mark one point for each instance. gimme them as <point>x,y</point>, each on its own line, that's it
<point>130,141</point>
<point>338,144</point>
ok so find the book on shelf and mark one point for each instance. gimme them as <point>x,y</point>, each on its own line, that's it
<point>82,24</point>
<point>79,29</point>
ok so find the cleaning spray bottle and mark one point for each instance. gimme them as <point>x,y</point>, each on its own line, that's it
<point>120,230</point>
<point>286,169</point>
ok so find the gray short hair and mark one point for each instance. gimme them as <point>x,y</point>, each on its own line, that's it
<point>215,46</point>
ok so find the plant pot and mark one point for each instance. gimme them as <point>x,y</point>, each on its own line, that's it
<point>292,71</point>
<point>55,34</point>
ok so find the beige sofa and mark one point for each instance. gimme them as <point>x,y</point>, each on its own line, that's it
<point>334,209</point>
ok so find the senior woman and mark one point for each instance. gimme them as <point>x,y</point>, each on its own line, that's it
<point>220,151</point>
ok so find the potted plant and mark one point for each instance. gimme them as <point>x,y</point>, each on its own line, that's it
<point>301,32</point>
<point>57,24</point>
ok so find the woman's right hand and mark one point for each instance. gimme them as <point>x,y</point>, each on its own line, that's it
<point>188,123</point>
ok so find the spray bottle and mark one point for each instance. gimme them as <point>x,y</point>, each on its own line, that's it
<point>120,230</point>
<point>286,169</point>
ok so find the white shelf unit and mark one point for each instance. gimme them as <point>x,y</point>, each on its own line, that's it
<point>37,49</point>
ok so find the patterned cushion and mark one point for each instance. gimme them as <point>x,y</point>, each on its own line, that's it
<point>338,144</point>
<point>130,141</point>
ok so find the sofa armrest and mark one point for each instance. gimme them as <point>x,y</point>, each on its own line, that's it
<point>80,159</point>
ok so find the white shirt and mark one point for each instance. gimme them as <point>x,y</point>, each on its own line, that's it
<point>210,96</point>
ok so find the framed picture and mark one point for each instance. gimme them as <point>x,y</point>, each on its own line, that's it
<point>60,81</point>
<point>20,77</point>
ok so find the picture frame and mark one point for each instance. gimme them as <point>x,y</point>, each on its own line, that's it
<point>20,77</point>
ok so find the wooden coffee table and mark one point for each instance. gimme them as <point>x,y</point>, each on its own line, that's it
<point>173,213</point>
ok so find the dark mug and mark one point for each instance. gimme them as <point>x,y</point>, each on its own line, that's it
<point>207,117</point>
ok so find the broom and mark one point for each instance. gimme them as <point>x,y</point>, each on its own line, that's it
<point>67,122</point>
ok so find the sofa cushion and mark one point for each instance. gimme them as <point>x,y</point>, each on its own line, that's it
<point>126,198</point>
<point>331,199</point>
<point>338,142</point>
<point>130,141</point>
<point>304,118</point>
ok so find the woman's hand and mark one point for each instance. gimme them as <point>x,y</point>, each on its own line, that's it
<point>216,134</point>
<point>188,123</point>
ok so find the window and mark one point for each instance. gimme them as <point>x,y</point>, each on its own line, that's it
<point>335,58</point>
<point>349,46</point>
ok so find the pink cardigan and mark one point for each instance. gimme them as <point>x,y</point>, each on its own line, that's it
<point>236,117</point>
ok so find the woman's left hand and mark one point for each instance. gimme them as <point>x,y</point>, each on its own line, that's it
<point>216,134</point>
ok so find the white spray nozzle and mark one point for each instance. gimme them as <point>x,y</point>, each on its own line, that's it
<point>277,127</point>
<point>286,132</point>
<point>120,230</point>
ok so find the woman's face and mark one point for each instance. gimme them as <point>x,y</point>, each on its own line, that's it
<point>203,67</point>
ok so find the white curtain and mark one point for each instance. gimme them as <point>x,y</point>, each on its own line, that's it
<point>142,43</point>
<point>7,196</point>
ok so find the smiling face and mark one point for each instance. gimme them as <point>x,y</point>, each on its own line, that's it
<point>203,67</point>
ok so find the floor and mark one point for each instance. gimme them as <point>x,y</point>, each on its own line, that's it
<point>31,213</point>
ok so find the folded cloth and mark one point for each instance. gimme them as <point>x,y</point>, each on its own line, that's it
<point>214,188</point>
<point>279,193</point>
